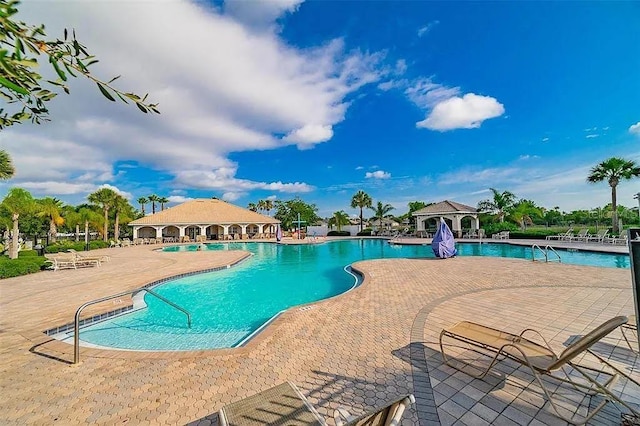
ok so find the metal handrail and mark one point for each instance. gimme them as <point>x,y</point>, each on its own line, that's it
<point>547,248</point>
<point>545,251</point>
<point>533,252</point>
<point>76,323</point>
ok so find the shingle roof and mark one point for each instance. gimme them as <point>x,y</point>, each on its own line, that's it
<point>204,211</point>
<point>445,206</point>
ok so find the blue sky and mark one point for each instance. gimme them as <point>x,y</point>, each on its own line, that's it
<point>404,100</point>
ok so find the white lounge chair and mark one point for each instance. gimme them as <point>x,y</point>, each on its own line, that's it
<point>599,237</point>
<point>561,237</point>
<point>286,405</point>
<point>580,236</point>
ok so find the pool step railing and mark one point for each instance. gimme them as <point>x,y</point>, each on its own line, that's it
<point>76,322</point>
<point>547,251</point>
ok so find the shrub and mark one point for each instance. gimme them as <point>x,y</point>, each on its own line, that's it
<point>27,253</point>
<point>20,266</point>
<point>364,233</point>
<point>494,228</point>
<point>97,244</point>
<point>338,234</point>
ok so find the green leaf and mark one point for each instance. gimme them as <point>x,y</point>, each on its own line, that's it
<point>113,79</point>
<point>61,73</point>
<point>141,108</point>
<point>14,87</point>
<point>105,92</point>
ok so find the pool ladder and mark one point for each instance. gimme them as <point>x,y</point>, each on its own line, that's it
<point>546,252</point>
<point>76,321</point>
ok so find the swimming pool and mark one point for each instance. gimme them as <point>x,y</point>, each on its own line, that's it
<point>228,306</point>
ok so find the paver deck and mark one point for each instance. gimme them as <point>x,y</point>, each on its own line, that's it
<point>356,350</point>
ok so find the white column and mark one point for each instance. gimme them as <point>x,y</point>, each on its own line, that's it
<point>203,229</point>
<point>181,231</point>
<point>159,231</point>
<point>135,231</point>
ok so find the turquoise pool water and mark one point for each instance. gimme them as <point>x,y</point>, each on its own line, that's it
<point>227,306</point>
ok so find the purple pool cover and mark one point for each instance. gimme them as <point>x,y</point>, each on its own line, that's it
<point>443,244</point>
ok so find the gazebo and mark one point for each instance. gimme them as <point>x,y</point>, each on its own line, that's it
<point>212,219</point>
<point>453,213</point>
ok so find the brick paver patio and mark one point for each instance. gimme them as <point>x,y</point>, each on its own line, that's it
<point>356,350</point>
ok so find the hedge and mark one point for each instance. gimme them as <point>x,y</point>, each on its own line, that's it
<point>364,233</point>
<point>62,246</point>
<point>21,266</point>
<point>338,234</point>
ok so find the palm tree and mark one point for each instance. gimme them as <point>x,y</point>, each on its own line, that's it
<point>252,207</point>
<point>361,200</point>
<point>103,198</point>
<point>614,170</point>
<point>261,205</point>
<point>143,201</point>
<point>381,211</point>
<point>153,199</point>
<point>162,201</point>
<point>268,206</point>
<point>338,219</point>
<point>524,211</point>
<point>72,219</point>
<point>500,205</point>
<point>88,216</point>
<point>50,208</point>
<point>18,201</point>
<point>6,166</point>
<point>119,204</point>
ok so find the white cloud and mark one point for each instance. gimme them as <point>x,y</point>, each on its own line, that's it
<point>635,129</point>
<point>245,90</point>
<point>223,179</point>
<point>401,67</point>
<point>545,139</point>
<point>57,188</point>
<point>232,196</point>
<point>272,197</point>
<point>378,174</point>
<point>309,135</point>
<point>595,135</point>
<point>426,94</point>
<point>467,112</point>
<point>425,29</point>
<point>359,168</point>
<point>528,157</point>
<point>178,199</point>
<point>480,176</point>
<point>259,14</point>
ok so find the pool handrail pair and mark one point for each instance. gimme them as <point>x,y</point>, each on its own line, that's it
<point>76,322</point>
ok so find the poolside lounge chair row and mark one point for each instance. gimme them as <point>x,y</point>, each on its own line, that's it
<point>584,236</point>
<point>75,260</point>
<point>503,235</point>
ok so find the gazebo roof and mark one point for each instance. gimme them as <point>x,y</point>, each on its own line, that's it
<point>445,207</point>
<point>204,211</point>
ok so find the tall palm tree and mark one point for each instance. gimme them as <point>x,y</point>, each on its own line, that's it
<point>18,201</point>
<point>381,211</point>
<point>338,219</point>
<point>143,201</point>
<point>268,206</point>
<point>72,219</point>
<point>6,166</point>
<point>162,201</point>
<point>51,209</point>
<point>103,198</point>
<point>500,205</point>
<point>87,217</point>
<point>614,170</point>
<point>252,207</point>
<point>119,204</point>
<point>361,200</point>
<point>153,199</point>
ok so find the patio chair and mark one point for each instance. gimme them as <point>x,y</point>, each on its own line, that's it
<point>630,327</point>
<point>580,236</point>
<point>561,237</point>
<point>85,260</point>
<point>62,262</point>
<point>285,405</point>
<point>599,237</point>
<point>541,359</point>
<point>622,239</point>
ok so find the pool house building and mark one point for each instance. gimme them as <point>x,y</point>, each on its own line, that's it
<point>204,219</point>
<point>458,216</point>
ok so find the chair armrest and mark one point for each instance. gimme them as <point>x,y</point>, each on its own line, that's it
<point>341,416</point>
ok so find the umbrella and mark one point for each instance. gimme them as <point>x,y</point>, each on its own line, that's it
<point>443,244</point>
